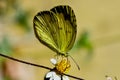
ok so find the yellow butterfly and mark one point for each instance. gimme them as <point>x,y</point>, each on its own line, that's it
<point>56,28</point>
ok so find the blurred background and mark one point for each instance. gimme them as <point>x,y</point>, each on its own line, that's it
<point>97,46</point>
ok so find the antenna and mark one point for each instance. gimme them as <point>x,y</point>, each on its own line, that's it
<point>75,62</point>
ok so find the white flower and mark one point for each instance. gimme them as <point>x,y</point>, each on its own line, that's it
<point>52,75</point>
<point>53,61</point>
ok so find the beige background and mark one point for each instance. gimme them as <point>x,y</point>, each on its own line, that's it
<point>99,17</point>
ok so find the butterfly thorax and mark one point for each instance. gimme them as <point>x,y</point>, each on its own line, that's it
<point>63,54</point>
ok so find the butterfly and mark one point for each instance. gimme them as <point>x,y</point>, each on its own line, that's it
<point>56,28</point>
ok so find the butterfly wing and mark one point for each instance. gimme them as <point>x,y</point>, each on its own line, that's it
<point>67,27</point>
<point>45,26</point>
<point>56,28</point>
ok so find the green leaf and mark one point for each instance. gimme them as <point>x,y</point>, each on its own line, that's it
<point>5,46</point>
<point>21,17</point>
<point>84,42</point>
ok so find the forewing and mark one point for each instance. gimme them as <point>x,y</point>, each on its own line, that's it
<point>67,27</point>
<point>45,27</point>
